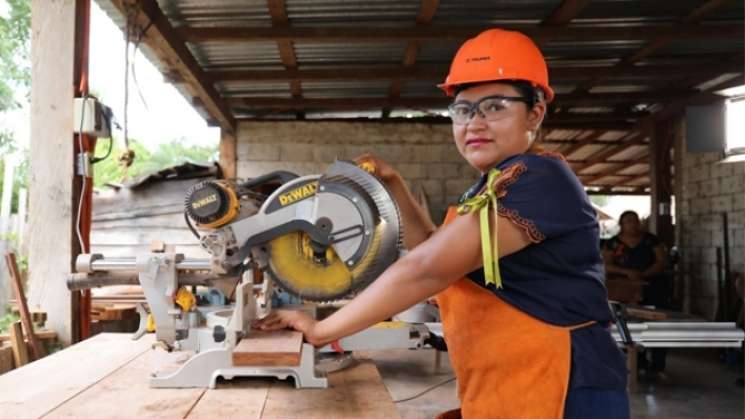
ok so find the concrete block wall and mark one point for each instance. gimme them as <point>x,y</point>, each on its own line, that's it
<point>424,154</point>
<point>705,188</point>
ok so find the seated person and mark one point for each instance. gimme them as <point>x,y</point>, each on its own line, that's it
<point>638,255</point>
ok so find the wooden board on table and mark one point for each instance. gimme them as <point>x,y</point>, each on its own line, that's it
<point>237,398</point>
<point>126,393</point>
<point>39,387</point>
<point>113,312</point>
<point>355,392</point>
<point>269,349</point>
<point>646,313</point>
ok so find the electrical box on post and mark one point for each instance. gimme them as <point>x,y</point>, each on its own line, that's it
<point>91,117</point>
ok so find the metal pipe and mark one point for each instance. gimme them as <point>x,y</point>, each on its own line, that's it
<point>130,264</point>
<point>77,282</point>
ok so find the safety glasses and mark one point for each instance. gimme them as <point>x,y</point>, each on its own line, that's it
<point>491,108</point>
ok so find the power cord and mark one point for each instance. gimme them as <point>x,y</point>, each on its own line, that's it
<point>425,391</point>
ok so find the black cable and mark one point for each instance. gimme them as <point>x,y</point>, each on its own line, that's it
<point>95,160</point>
<point>427,390</point>
<point>191,227</point>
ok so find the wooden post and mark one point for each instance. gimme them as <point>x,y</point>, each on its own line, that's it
<point>20,351</point>
<point>660,216</point>
<point>228,154</point>
<point>53,197</point>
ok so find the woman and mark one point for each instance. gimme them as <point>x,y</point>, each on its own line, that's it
<point>527,336</point>
<point>638,255</point>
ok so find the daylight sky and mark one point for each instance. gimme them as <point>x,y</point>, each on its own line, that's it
<point>167,115</point>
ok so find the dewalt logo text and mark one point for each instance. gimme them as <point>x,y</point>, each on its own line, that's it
<point>204,201</point>
<point>297,194</point>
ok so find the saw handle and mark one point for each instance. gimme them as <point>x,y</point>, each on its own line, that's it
<point>282,176</point>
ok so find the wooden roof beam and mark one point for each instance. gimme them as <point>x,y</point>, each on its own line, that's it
<point>603,155</point>
<point>427,11</point>
<point>458,33</point>
<point>570,99</point>
<point>643,159</point>
<point>658,42</point>
<point>565,12</point>
<point>278,13</point>
<point>669,110</point>
<point>438,73</point>
<point>165,41</point>
<point>583,142</point>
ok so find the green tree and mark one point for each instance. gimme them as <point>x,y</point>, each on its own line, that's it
<point>15,35</point>
<point>20,174</point>
<point>599,200</point>
<point>165,155</point>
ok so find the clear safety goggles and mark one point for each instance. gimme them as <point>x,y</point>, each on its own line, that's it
<point>490,108</point>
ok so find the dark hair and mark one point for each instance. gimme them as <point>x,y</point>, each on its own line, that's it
<point>524,89</point>
<point>626,213</point>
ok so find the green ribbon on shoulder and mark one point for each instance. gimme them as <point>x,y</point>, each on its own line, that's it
<point>481,203</point>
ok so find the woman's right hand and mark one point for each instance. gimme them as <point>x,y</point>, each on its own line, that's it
<point>383,171</point>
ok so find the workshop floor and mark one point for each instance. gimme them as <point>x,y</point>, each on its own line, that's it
<point>699,387</point>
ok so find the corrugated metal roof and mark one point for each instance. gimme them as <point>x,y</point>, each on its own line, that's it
<point>381,52</point>
<point>340,89</point>
<point>352,12</point>
<point>248,89</point>
<point>255,55</point>
<point>349,56</point>
<point>635,11</point>
<point>486,12</point>
<point>242,13</point>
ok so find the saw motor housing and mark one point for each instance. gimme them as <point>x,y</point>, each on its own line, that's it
<point>320,237</point>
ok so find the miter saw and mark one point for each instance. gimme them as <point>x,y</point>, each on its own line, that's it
<point>319,238</point>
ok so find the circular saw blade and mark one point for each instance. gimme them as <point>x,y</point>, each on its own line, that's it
<point>292,263</point>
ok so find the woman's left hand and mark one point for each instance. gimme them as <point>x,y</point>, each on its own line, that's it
<point>293,319</point>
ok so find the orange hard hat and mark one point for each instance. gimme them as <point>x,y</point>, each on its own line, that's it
<point>498,54</point>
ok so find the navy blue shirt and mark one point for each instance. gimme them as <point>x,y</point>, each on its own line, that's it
<point>559,277</point>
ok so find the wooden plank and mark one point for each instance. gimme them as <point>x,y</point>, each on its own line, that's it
<point>114,312</point>
<point>126,393</point>
<point>356,392</point>
<point>28,327</point>
<point>20,350</point>
<point>6,359</point>
<point>198,34</point>
<point>275,348</point>
<point>45,334</point>
<point>52,380</point>
<point>646,314</point>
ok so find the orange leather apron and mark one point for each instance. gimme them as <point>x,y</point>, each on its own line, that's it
<point>508,363</point>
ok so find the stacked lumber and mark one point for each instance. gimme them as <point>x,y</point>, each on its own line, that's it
<point>112,311</point>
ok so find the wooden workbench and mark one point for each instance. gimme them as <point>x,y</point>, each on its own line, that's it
<point>107,377</point>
